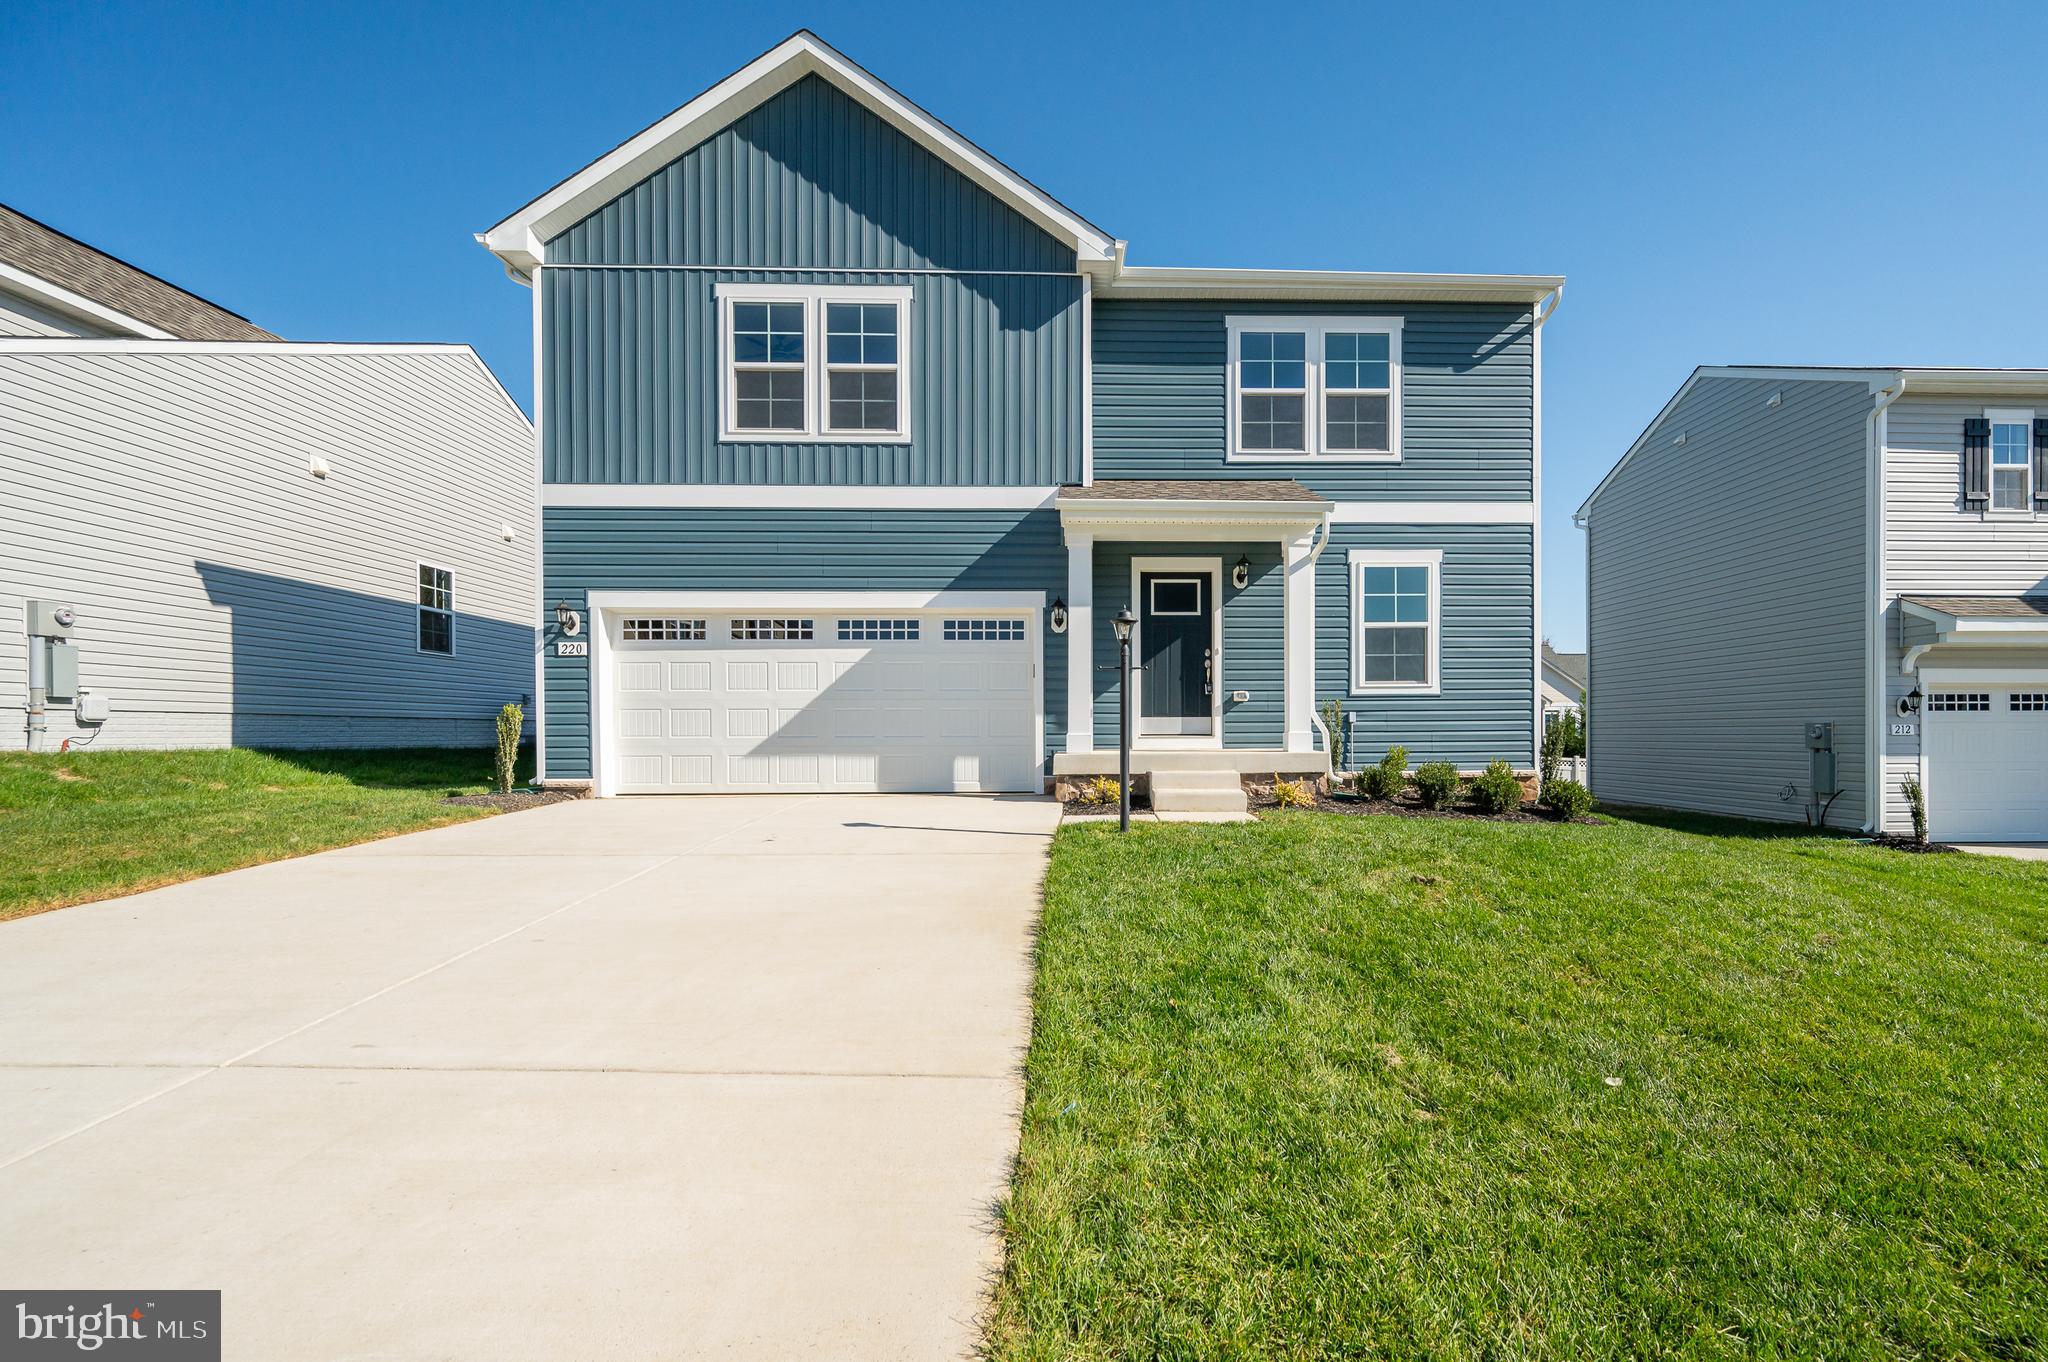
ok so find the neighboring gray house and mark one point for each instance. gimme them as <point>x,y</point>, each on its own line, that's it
<point>257,542</point>
<point>1564,680</point>
<point>854,442</point>
<point>1861,548</point>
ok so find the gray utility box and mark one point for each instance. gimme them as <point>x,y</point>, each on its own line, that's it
<point>63,670</point>
<point>49,619</point>
<point>1820,747</point>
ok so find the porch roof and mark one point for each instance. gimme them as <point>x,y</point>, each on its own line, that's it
<point>1997,614</point>
<point>1285,490</point>
<point>1228,508</point>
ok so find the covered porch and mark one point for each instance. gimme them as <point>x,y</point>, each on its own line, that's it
<point>1220,577</point>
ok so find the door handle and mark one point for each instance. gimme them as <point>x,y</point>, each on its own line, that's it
<point>1208,671</point>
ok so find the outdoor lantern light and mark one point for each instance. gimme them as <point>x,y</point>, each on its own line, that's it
<point>1059,615</point>
<point>1123,623</point>
<point>570,622</point>
<point>1241,575</point>
<point>1910,703</point>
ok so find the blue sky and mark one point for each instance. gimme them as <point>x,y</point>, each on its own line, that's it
<point>1722,184</point>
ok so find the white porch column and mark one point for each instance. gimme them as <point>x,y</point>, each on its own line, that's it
<point>1298,642</point>
<point>1080,641</point>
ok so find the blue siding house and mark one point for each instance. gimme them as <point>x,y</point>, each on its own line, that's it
<point>853,444</point>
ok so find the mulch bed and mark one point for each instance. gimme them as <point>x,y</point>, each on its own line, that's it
<point>1261,797</point>
<point>510,803</point>
<point>1897,843</point>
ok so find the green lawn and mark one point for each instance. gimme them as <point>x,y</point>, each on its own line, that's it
<point>88,825</point>
<point>1333,1087</point>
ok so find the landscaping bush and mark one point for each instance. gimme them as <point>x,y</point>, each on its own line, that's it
<point>510,720</point>
<point>1498,790</point>
<point>1101,790</point>
<point>1386,780</point>
<point>1293,794</point>
<point>1916,804</point>
<point>1567,798</point>
<point>1437,784</point>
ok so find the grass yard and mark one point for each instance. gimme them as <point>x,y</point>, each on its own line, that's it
<point>1340,1087</point>
<point>78,826</point>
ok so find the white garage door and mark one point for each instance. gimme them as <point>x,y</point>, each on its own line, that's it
<point>1987,765</point>
<point>888,700</point>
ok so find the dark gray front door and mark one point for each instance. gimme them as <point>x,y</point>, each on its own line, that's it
<point>1174,637</point>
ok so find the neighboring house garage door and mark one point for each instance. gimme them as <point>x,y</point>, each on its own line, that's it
<point>890,700</point>
<point>1987,765</point>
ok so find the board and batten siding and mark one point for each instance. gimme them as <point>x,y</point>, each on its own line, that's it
<point>666,549</point>
<point>1485,707</point>
<point>1727,602</point>
<point>1162,395</point>
<point>227,596</point>
<point>1934,545</point>
<point>1252,628</point>
<point>810,187</point>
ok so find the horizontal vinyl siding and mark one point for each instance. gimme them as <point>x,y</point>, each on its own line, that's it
<point>1252,624</point>
<point>591,549</point>
<point>811,179</point>
<point>21,317</point>
<point>224,593</point>
<point>630,377</point>
<point>1727,589</point>
<point>1487,648</point>
<point>1934,546</point>
<point>1162,399</point>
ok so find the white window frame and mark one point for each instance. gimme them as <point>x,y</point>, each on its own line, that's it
<point>815,298</point>
<point>1358,560</point>
<point>2024,419</point>
<point>420,608</point>
<point>1314,414</point>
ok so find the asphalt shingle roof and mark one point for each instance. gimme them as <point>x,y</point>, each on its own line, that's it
<point>70,264</point>
<point>1190,489</point>
<point>1987,607</point>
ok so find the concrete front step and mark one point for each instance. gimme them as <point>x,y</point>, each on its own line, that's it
<point>1197,792</point>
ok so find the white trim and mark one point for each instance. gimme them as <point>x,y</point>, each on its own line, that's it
<point>520,239</point>
<point>1315,332</point>
<point>1434,513</point>
<point>1152,597</point>
<point>1213,569</point>
<point>1970,678</point>
<point>816,366</point>
<point>1080,641</point>
<point>602,604</point>
<point>1087,380</point>
<point>40,290</point>
<point>1356,561</point>
<point>1536,526</point>
<point>172,345</point>
<point>1298,717</point>
<point>1876,437</point>
<point>1328,285</point>
<point>541,614</point>
<point>795,497</point>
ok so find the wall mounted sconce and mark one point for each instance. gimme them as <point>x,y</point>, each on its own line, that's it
<point>567,619</point>
<point>1059,615</point>
<point>1910,702</point>
<point>1241,574</point>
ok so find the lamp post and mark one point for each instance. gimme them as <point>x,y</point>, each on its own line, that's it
<point>1123,624</point>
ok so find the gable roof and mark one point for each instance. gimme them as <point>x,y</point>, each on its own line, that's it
<point>1571,666</point>
<point>64,273</point>
<point>520,238</point>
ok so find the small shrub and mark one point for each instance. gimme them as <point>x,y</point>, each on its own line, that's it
<point>1916,804</point>
<point>1386,780</point>
<point>1567,799</point>
<point>1436,783</point>
<point>511,719</point>
<point>1333,720</point>
<point>1498,790</point>
<point>1293,794</point>
<point>1101,790</point>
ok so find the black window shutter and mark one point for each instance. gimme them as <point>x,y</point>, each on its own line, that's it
<point>1976,459</point>
<point>2041,461</point>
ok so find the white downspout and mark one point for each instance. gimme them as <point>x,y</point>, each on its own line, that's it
<point>1542,315</point>
<point>1873,765</point>
<point>1315,709</point>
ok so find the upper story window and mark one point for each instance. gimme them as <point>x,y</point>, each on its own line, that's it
<point>804,362</point>
<point>1315,387</point>
<point>1395,608</point>
<point>2011,455</point>
<point>437,610</point>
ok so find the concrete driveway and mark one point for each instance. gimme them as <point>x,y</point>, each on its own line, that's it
<point>677,1078</point>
